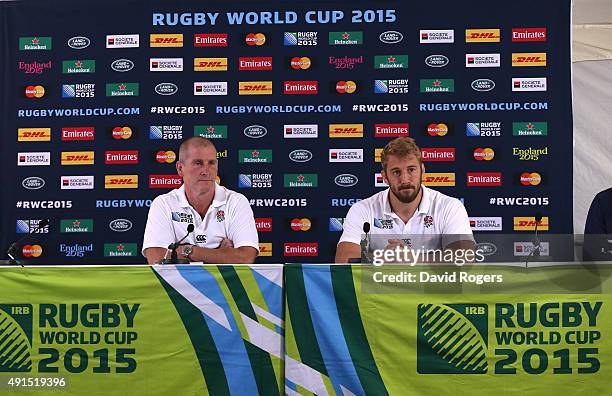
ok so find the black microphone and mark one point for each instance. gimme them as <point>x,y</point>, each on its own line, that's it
<point>365,243</point>
<point>172,248</point>
<point>12,250</point>
<point>535,252</point>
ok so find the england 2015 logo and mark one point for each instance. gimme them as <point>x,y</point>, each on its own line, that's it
<point>15,338</point>
<point>452,338</point>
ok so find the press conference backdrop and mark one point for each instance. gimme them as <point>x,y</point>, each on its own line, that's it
<point>298,98</point>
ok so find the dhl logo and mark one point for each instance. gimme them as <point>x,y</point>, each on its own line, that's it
<point>482,35</point>
<point>529,59</point>
<point>34,134</point>
<point>120,181</point>
<point>345,130</point>
<point>77,158</point>
<point>255,88</point>
<point>166,40</point>
<point>265,249</point>
<point>210,64</point>
<point>378,155</point>
<point>439,179</point>
<point>529,223</point>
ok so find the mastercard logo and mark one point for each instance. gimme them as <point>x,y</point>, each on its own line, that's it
<point>437,129</point>
<point>31,251</point>
<point>302,63</point>
<point>255,39</point>
<point>165,157</point>
<point>122,133</point>
<point>346,86</point>
<point>301,224</point>
<point>486,154</point>
<point>531,179</point>
<point>35,91</point>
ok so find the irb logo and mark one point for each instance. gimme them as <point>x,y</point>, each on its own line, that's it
<point>16,346</point>
<point>466,328</point>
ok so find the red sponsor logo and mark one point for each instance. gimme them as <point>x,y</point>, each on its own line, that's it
<point>301,249</point>
<point>255,63</point>
<point>301,87</point>
<point>492,179</point>
<point>438,154</point>
<point>529,34</point>
<point>390,130</point>
<point>78,133</point>
<point>165,181</point>
<point>263,224</point>
<point>121,157</point>
<point>210,40</point>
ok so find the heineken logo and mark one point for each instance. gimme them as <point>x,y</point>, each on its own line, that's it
<point>120,250</point>
<point>301,180</point>
<point>122,89</point>
<point>211,131</point>
<point>438,85</point>
<point>76,225</point>
<point>391,62</point>
<point>530,128</point>
<point>255,156</point>
<point>345,38</point>
<point>35,43</point>
<point>78,66</point>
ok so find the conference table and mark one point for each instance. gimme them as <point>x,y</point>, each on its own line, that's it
<point>306,329</point>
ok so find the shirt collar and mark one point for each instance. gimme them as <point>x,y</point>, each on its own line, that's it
<point>219,199</point>
<point>423,208</point>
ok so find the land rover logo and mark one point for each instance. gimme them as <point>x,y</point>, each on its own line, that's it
<point>122,65</point>
<point>483,85</point>
<point>300,155</point>
<point>486,248</point>
<point>120,225</point>
<point>166,88</point>
<point>78,42</point>
<point>391,37</point>
<point>346,180</point>
<point>33,183</point>
<point>255,131</point>
<point>436,61</point>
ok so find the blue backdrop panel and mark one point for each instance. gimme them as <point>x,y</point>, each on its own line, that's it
<point>389,53</point>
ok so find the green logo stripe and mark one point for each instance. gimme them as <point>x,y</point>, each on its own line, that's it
<point>354,332</point>
<point>201,339</point>
<point>265,377</point>
<point>301,322</point>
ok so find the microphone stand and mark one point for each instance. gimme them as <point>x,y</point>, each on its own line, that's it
<point>365,244</point>
<point>172,249</point>
<point>535,252</point>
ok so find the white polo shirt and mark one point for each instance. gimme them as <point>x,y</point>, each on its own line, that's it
<point>229,216</point>
<point>438,221</point>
